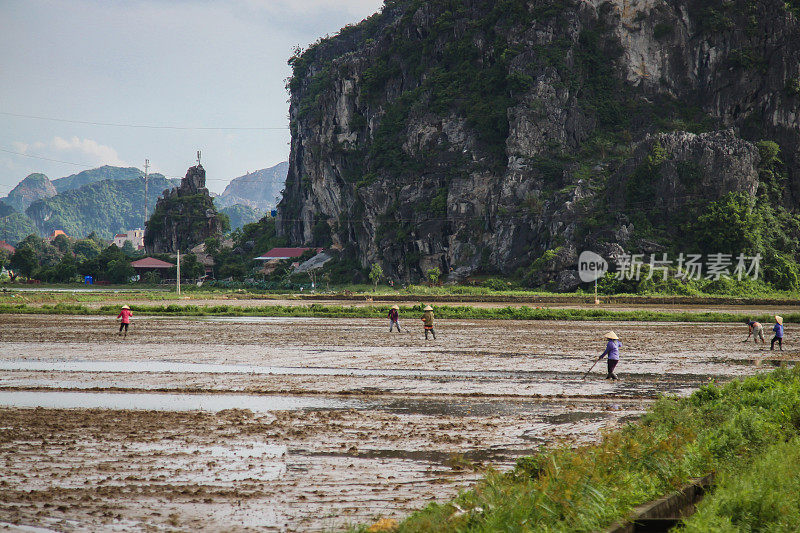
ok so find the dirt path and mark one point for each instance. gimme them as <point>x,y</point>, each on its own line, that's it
<point>427,417</point>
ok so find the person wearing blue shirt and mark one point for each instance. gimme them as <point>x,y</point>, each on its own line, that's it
<point>778,329</point>
<point>612,351</point>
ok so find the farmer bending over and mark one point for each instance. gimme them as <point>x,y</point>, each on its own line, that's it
<point>612,351</point>
<point>778,329</point>
<point>756,330</point>
<point>125,314</point>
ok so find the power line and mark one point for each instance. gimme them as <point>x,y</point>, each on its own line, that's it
<point>145,126</point>
<point>88,166</point>
<point>46,158</point>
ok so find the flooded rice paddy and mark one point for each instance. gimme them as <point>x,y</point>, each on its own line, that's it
<point>310,424</point>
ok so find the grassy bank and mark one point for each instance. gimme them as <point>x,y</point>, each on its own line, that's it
<point>406,312</point>
<point>764,496</point>
<point>738,431</point>
<point>53,293</point>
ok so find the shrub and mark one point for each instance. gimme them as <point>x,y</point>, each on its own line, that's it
<point>662,30</point>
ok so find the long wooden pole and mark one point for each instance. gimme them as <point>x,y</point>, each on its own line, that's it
<point>179,272</point>
<point>587,372</point>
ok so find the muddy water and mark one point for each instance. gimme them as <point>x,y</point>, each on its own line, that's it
<point>308,424</point>
<point>170,402</point>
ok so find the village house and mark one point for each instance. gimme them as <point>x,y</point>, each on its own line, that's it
<point>55,234</point>
<point>7,247</point>
<point>273,258</point>
<point>151,264</point>
<point>135,236</point>
<point>279,254</point>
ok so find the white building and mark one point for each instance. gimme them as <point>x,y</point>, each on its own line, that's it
<point>136,236</point>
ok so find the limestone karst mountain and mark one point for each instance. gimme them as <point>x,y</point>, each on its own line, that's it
<point>183,217</point>
<point>507,136</point>
<point>260,190</point>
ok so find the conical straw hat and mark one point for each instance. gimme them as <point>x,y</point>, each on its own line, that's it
<point>396,307</point>
<point>428,308</point>
<point>611,335</point>
<point>125,307</point>
<point>779,319</point>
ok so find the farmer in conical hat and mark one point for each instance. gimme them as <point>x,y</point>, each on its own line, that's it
<point>427,321</point>
<point>612,351</point>
<point>125,314</point>
<point>394,316</point>
<point>778,329</point>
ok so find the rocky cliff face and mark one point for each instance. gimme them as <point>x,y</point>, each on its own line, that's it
<point>477,136</point>
<point>33,187</point>
<point>257,190</point>
<point>183,217</point>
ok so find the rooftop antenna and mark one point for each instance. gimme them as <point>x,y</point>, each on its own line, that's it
<point>198,157</point>
<point>146,166</point>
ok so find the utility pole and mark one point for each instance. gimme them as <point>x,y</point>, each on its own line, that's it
<point>198,158</point>
<point>146,167</point>
<point>179,272</point>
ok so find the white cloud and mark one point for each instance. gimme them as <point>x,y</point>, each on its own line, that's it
<point>23,148</point>
<point>88,148</point>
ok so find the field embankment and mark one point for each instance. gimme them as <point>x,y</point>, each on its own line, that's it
<point>378,311</point>
<point>744,431</point>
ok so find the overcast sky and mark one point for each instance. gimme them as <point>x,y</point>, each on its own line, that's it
<point>178,63</point>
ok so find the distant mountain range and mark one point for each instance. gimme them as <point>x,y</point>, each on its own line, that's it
<point>105,207</point>
<point>108,200</point>
<point>258,189</point>
<point>76,181</point>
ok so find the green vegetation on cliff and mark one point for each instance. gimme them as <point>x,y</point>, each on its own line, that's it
<point>105,207</point>
<point>106,172</point>
<point>183,217</point>
<point>239,215</point>
<point>480,136</point>
<point>15,227</point>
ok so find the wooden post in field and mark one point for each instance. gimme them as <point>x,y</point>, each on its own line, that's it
<point>179,272</point>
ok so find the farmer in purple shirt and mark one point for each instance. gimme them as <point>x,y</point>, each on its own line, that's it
<point>778,329</point>
<point>612,351</point>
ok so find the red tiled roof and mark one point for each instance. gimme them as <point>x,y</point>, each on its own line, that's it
<point>286,253</point>
<point>151,262</point>
<point>7,247</point>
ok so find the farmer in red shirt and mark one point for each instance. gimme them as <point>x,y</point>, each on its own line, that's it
<point>394,318</point>
<point>125,314</point>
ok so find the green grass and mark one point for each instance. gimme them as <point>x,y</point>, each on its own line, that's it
<point>165,292</point>
<point>762,497</point>
<point>441,312</point>
<point>737,430</point>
